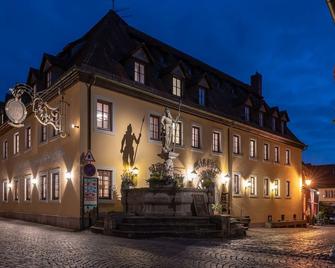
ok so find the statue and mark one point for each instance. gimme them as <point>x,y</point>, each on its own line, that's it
<point>127,148</point>
<point>167,123</point>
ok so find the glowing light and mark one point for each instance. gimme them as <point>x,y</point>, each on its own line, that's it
<point>224,178</point>
<point>34,181</point>
<point>308,182</point>
<point>68,175</point>
<point>135,171</point>
<point>191,175</point>
<point>74,126</point>
<point>317,192</point>
<point>10,185</point>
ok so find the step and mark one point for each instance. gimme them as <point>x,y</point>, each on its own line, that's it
<point>97,229</point>
<point>179,220</point>
<point>166,226</point>
<point>150,234</point>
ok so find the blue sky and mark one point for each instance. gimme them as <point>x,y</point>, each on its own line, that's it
<point>290,42</point>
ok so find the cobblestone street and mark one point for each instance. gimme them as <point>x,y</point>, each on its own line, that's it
<point>25,244</point>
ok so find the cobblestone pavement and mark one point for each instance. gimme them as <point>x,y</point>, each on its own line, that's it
<point>25,244</point>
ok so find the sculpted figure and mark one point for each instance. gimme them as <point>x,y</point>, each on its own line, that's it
<point>167,123</point>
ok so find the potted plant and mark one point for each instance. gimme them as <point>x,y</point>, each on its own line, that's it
<point>217,209</point>
<point>128,179</point>
<point>158,178</point>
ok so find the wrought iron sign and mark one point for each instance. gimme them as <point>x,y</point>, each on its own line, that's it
<point>44,113</point>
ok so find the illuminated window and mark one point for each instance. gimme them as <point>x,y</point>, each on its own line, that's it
<point>16,143</point>
<point>266,187</point>
<point>5,150</point>
<point>252,149</point>
<point>276,154</point>
<point>266,152</point>
<point>216,142</point>
<point>28,138</point>
<point>16,190</point>
<point>276,188</point>
<point>287,157</point>
<point>237,184</point>
<point>105,184</point>
<point>196,137</point>
<point>236,144</point>
<point>154,128</point>
<point>44,133</point>
<point>261,119</point>
<point>288,189</point>
<point>253,185</point>
<point>27,189</point>
<point>139,72</point>
<point>43,187</point>
<point>55,186</point>
<point>202,96</point>
<point>177,134</point>
<point>104,115</point>
<point>176,86</point>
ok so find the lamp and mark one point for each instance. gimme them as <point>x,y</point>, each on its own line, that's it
<point>135,171</point>
<point>248,183</point>
<point>68,175</point>
<point>308,182</point>
<point>74,126</point>
<point>34,181</point>
<point>225,178</point>
<point>9,185</point>
<point>192,175</point>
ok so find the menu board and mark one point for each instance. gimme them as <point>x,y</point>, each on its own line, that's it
<point>90,193</point>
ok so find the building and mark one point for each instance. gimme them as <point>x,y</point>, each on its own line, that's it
<point>322,187</point>
<point>117,81</point>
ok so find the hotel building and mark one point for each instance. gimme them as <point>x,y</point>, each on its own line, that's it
<point>116,78</point>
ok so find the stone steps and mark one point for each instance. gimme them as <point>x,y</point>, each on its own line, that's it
<point>166,227</point>
<point>166,220</point>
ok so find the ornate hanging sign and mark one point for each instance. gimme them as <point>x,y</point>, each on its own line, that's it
<point>43,112</point>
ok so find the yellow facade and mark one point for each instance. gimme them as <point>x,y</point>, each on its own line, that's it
<point>130,105</point>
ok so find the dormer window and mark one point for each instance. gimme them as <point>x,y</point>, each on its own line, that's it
<point>176,86</point>
<point>273,123</point>
<point>139,72</point>
<point>49,78</point>
<point>247,113</point>
<point>202,96</point>
<point>261,119</point>
<point>283,127</point>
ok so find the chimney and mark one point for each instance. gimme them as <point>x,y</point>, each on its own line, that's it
<point>256,83</point>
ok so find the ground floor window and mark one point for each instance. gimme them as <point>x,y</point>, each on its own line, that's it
<point>55,186</point>
<point>5,191</point>
<point>237,184</point>
<point>43,187</point>
<point>16,190</point>
<point>266,187</point>
<point>105,184</point>
<point>253,186</point>
<point>276,188</point>
<point>27,189</point>
<point>288,189</point>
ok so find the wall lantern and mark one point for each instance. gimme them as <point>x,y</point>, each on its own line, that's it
<point>308,182</point>
<point>192,176</point>
<point>248,185</point>
<point>74,126</point>
<point>9,185</point>
<point>135,171</point>
<point>68,175</point>
<point>317,192</point>
<point>225,178</point>
<point>34,181</point>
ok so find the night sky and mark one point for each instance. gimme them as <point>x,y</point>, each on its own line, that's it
<point>291,43</point>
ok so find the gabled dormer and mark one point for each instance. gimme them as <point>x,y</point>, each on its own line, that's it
<point>274,118</point>
<point>203,86</point>
<point>284,119</point>
<point>247,107</point>
<point>262,111</point>
<point>34,78</point>
<point>51,68</point>
<point>141,58</point>
<point>178,80</point>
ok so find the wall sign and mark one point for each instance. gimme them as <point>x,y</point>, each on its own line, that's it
<point>89,170</point>
<point>90,193</point>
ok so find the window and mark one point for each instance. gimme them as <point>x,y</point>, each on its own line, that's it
<point>253,186</point>
<point>154,128</point>
<point>43,187</point>
<point>27,189</point>
<point>44,133</point>
<point>283,127</point>
<point>287,157</point>
<point>139,72</point>
<point>276,154</point>
<point>266,152</point>
<point>28,138</point>
<point>16,190</point>
<point>105,184</point>
<point>196,137</point>
<point>247,113</point>
<point>237,184</point>
<point>177,135</point>
<point>176,86</point>
<point>16,143</point>
<point>104,115</point>
<point>252,148</point>
<point>216,142</point>
<point>202,96</point>
<point>5,191</point>
<point>5,150</point>
<point>261,119</point>
<point>266,187</point>
<point>236,144</point>
<point>276,188</point>
<point>55,186</point>
<point>273,123</point>
<point>49,78</point>
<point>288,189</point>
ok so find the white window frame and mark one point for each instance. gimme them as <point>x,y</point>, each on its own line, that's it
<point>267,151</point>
<point>251,186</point>
<point>5,149</point>
<point>114,176</point>
<point>239,144</point>
<point>279,188</point>
<point>239,185</point>
<point>94,115</point>
<point>288,194</point>
<point>41,127</point>
<point>276,159</point>
<point>181,133</point>
<point>110,115</point>
<point>40,175</point>
<point>176,86</point>
<point>287,157</point>
<point>26,140</point>
<point>139,72</point>
<point>199,138</point>
<point>51,173</point>
<point>5,189</point>
<point>247,113</point>
<point>254,142</point>
<point>16,143</point>
<point>219,151</point>
<point>266,181</point>
<point>14,180</point>
<point>26,178</point>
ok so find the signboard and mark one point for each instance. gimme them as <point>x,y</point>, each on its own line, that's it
<point>200,206</point>
<point>89,157</point>
<point>90,170</point>
<point>16,112</point>
<point>90,193</point>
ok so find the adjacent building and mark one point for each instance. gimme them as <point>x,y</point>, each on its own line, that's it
<point>117,82</point>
